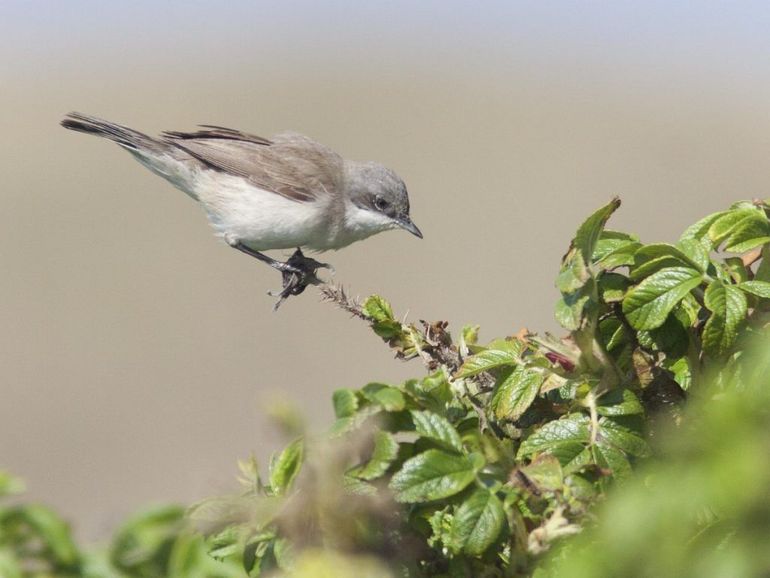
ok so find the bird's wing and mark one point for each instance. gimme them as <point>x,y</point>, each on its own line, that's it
<point>290,165</point>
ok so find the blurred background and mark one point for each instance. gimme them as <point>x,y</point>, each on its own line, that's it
<point>139,353</point>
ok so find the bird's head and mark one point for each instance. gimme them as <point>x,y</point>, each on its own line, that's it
<point>381,197</point>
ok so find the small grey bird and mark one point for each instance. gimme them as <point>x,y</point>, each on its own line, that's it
<point>279,193</point>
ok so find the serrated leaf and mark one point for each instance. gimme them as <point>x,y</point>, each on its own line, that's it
<point>651,258</point>
<point>613,286</point>
<point>563,438</point>
<point>758,288</point>
<point>357,487</point>
<point>619,402</point>
<point>345,402</point>
<point>545,473</point>
<point>699,231</point>
<point>737,272</point>
<point>723,228</point>
<point>434,474</point>
<point>728,307</point>
<point>574,273</point>
<point>588,233</point>
<point>437,428</point>
<point>613,458</point>
<point>613,434</point>
<point>672,337</point>
<point>622,253</point>
<point>570,309</point>
<point>697,251</point>
<point>647,305</point>
<point>614,249</point>
<point>285,467</point>
<point>377,309</point>
<point>490,359</point>
<point>516,393</point>
<point>750,232</point>
<point>390,398</point>
<point>478,522</point>
<point>384,453</point>
<point>680,370</point>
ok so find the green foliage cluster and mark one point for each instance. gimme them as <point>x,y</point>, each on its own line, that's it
<point>504,448</point>
<point>496,461</point>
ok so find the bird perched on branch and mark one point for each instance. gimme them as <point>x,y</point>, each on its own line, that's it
<point>280,193</point>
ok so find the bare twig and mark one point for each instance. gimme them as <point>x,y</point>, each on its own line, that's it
<point>336,294</point>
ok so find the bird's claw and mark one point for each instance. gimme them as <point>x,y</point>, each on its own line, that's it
<point>300,271</point>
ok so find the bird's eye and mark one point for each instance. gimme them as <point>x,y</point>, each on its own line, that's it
<point>380,203</point>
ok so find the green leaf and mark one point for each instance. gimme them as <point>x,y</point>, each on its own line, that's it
<point>696,251</point>
<point>574,273</point>
<point>284,468</point>
<point>740,229</point>
<point>52,533</point>
<point>672,337</point>
<point>545,473</point>
<point>345,402</point>
<point>563,438</point>
<point>620,402</point>
<point>357,487</point>
<point>758,288</point>
<point>680,369</point>
<point>750,232</point>
<point>516,393</point>
<point>478,522</point>
<point>491,359</point>
<point>613,286</point>
<point>737,272</point>
<point>384,453</point>
<point>225,543</point>
<point>652,258</point>
<point>390,398</point>
<point>615,249</point>
<point>434,474</point>
<point>728,307</point>
<point>377,309</point>
<point>588,233</point>
<point>570,309</point>
<point>647,305</point>
<point>613,434</point>
<point>699,231</point>
<point>437,428</point>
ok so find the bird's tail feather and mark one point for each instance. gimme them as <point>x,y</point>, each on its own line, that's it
<point>124,136</point>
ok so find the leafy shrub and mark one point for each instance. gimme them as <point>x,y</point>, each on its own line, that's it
<point>493,461</point>
<point>504,448</point>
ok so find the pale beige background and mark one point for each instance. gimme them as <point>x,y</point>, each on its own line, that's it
<point>137,351</point>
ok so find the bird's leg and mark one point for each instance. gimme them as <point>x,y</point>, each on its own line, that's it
<point>280,265</point>
<point>298,272</point>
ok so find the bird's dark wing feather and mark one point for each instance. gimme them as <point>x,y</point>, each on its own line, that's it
<point>290,165</point>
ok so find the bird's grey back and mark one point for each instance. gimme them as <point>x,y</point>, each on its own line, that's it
<point>290,164</point>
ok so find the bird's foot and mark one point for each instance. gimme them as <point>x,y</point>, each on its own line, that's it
<point>298,273</point>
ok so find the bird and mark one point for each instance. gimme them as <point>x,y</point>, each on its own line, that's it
<point>260,194</point>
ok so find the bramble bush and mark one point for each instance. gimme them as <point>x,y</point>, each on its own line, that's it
<point>592,454</point>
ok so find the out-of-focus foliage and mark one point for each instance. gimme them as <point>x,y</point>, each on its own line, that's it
<point>701,508</point>
<point>35,542</point>
<point>635,445</point>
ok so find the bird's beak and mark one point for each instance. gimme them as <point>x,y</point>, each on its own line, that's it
<point>407,224</point>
